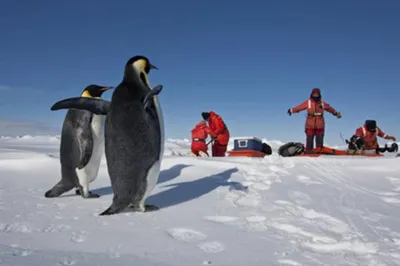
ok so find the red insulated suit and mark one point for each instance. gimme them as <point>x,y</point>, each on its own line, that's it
<point>315,122</point>
<point>370,138</point>
<point>199,136</point>
<point>219,131</point>
<point>315,113</point>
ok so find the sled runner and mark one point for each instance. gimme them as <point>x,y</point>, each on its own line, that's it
<point>246,153</point>
<point>297,149</point>
<point>329,151</point>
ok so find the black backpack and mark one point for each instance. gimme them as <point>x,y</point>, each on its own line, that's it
<point>291,149</point>
<point>355,143</point>
<point>266,149</point>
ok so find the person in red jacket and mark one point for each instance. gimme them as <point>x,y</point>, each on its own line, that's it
<point>369,134</point>
<point>199,136</point>
<point>218,132</point>
<point>315,122</point>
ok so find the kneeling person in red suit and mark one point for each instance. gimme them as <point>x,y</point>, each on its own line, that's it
<point>199,136</point>
<point>369,133</point>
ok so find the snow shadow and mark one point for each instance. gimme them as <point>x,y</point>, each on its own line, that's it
<point>171,173</point>
<point>165,175</point>
<point>187,191</point>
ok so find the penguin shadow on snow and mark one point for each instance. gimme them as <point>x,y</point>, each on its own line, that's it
<point>165,176</point>
<point>187,191</point>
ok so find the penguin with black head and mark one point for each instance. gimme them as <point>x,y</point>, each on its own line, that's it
<point>81,147</point>
<point>134,136</point>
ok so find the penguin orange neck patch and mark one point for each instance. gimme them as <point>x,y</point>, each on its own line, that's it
<point>86,94</point>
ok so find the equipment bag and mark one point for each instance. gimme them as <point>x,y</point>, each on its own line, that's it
<point>393,148</point>
<point>266,149</point>
<point>291,149</point>
<point>355,143</point>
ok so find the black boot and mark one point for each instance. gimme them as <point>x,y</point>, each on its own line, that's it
<point>319,140</point>
<point>310,142</point>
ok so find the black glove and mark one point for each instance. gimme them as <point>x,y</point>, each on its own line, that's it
<point>289,112</point>
<point>338,114</point>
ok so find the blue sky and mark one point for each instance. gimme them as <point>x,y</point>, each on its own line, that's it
<point>247,60</point>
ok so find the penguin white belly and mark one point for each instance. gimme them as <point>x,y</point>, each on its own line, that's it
<point>89,173</point>
<point>154,171</point>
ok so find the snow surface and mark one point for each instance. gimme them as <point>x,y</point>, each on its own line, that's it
<point>214,211</point>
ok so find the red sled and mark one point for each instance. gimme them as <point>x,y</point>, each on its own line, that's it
<point>246,153</point>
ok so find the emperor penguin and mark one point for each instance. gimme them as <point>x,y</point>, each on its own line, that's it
<point>134,135</point>
<point>81,148</point>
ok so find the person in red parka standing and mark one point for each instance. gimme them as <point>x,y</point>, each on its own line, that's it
<point>315,122</point>
<point>199,136</point>
<point>218,132</point>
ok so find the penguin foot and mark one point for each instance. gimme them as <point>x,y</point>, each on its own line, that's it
<point>109,211</point>
<point>150,208</point>
<point>50,194</point>
<point>60,188</point>
<point>90,196</point>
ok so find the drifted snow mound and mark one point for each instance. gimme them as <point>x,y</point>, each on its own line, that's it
<point>213,211</point>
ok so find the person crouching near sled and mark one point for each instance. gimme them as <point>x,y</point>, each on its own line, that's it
<point>365,139</point>
<point>219,133</point>
<point>199,135</point>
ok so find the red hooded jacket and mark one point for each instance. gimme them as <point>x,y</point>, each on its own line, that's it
<point>370,138</point>
<point>218,129</point>
<point>199,136</point>
<point>200,132</point>
<point>315,112</point>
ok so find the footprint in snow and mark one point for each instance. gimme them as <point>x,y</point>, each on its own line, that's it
<point>325,221</point>
<point>289,262</point>
<point>54,228</point>
<point>299,197</point>
<point>307,180</point>
<point>255,219</point>
<point>60,206</point>
<point>278,169</point>
<point>67,262</point>
<point>288,163</point>
<point>391,200</point>
<point>21,252</point>
<point>248,201</point>
<point>15,228</point>
<point>114,253</point>
<point>190,235</point>
<point>212,247</point>
<point>221,219</point>
<point>261,186</point>
<point>256,223</point>
<point>186,234</point>
<point>78,237</point>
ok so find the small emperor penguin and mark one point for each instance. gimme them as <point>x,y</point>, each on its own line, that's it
<point>81,148</point>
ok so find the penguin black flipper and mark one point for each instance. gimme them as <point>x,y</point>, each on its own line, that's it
<point>147,102</point>
<point>86,144</point>
<point>96,106</point>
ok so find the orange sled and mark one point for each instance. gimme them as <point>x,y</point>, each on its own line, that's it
<point>329,151</point>
<point>246,153</point>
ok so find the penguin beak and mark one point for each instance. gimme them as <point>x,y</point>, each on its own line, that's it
<point>153,67</point>
<point>107,88</point>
